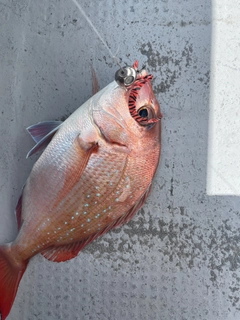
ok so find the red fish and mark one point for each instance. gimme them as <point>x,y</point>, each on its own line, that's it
<point>94,175</point>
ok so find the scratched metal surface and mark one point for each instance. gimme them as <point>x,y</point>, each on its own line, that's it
<point>179,257</point>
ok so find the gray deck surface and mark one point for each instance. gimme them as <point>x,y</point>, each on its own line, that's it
<point>178,259</point>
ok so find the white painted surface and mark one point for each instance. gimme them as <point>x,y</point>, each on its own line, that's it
<point>224,122</point>
<point>179,257</point>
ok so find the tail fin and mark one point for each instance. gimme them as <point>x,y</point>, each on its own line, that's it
<point>11,273</point>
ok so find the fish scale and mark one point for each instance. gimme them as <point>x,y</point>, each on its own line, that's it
<point>94,175</point>
<point>74,202</point>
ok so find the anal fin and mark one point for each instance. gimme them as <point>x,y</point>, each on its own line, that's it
<point>62,253</point>
<point>66,252</point>
<point>70,251</point>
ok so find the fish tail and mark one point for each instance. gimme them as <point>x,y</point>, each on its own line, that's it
<point>11,272</point>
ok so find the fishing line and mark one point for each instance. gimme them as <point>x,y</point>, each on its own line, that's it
<point>97,33</point>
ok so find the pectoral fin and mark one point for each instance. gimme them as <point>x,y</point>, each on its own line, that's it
<point>42,134</point>
<point>40,130</point>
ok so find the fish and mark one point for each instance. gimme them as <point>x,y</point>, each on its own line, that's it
<point>94,174</point>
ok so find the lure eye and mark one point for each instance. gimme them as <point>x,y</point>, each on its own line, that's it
<point>125,76</point>
<point>147,115</point>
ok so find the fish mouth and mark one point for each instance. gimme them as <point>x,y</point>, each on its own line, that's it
<point>141,91</point>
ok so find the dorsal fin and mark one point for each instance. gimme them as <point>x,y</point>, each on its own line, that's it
<point>95,85</point>
<point>18,212</point>
<point>42,134</point>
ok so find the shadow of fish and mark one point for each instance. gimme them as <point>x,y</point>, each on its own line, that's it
<point>94,175</point>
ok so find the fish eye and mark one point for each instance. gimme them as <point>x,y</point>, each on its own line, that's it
<point>143,113</point>
<point>146,113</point>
